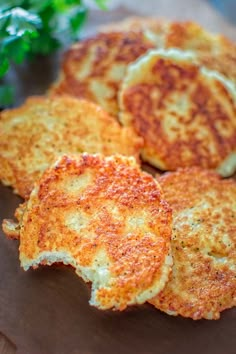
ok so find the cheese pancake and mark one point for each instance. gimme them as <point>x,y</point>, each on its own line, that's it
<point>94,68</point>
<point>203,280</point>
<point>214,51</point>
<point>107,219</point>
<point>185,113</point>
<point>32,135</point>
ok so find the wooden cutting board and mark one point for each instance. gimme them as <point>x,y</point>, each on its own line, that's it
<point>46,311</point>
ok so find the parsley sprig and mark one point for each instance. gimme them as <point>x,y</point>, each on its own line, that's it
<point>32,27</point>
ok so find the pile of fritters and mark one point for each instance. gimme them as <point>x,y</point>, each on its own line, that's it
<point>173,83</point>
<point>141,90</point>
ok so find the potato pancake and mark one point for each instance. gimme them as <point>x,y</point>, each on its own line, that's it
<point>203,280</point>
<point>153,28</point>
<point>184,112</point>
<point>107,219</point>
<point>94,68</point>
<point>33,135</point>
<point>214,51</point>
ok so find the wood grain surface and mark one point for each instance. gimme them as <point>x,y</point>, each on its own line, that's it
<point>46,311</point>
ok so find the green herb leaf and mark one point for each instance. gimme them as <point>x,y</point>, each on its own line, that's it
<point>77,19</point>
<point>6,95</point>
<point>16,48</point>
<point>44,44</point>
<point>18,22</point>
<point>37,6</point>
<point>4,65</point>
<point>9,4</point>
<point>31,27</point>
<point>64,5</point>
<point>102,4</point>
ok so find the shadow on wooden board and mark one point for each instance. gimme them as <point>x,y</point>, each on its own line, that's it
<point>6,346</point>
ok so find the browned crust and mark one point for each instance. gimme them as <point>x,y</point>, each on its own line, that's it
<point>103,52</point>
<point>203,281</point>
<point>136,24</point>
<point>115,193</point>
<point>33,135</point>
<point>214,51</point>
<point>201,134</point>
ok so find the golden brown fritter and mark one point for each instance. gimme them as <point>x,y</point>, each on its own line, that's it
<point>213,51</point>
<point>107,219</point>
<point>203,280</point>
<point>32,135</point>
<point>133,23</point>
<point>185,113</point>
<point>153,28</point>
<point>93,68</point>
